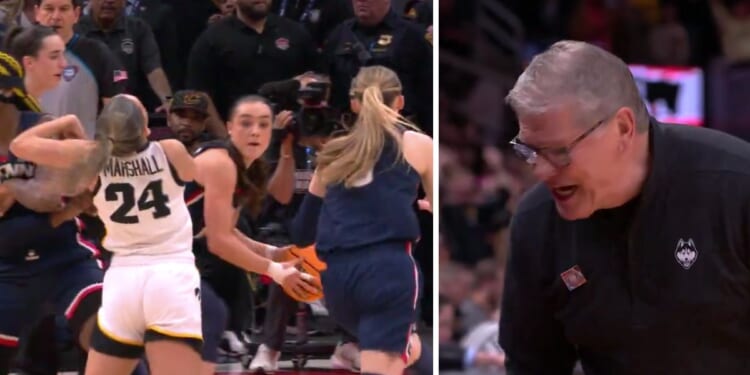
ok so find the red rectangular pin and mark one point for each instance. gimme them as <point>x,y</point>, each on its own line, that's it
<point>573,277</point>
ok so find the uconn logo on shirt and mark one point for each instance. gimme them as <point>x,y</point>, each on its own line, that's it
<point>16,169</point>
<point>686,253</point>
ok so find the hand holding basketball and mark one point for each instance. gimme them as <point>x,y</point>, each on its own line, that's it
<point>307,261</point>
<point>296,281</point>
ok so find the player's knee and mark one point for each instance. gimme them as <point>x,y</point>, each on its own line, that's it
<point>214,310</point>
<point>83,319</point>
<point>85,331</point>
<point>413,349</point>
<point>215,316</point>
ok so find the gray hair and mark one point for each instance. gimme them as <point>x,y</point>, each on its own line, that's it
<point>120,126</point>
<point>597,82</point>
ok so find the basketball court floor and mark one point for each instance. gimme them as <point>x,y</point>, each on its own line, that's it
<point>313,367</point>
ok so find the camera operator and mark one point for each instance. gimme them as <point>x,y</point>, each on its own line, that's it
<point>304,123</point>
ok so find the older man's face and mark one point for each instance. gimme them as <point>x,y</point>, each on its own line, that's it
<point>586,183</point>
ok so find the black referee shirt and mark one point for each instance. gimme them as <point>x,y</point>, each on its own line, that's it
<point>658,286</point>
<point>230,59</point>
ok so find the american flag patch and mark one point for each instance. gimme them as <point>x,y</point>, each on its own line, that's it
<point>119,75</point>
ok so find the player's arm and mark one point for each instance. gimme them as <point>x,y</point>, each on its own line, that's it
<point>257,247</point>
<point>59,143</point>
<point>418,153</point>
<point>212,168</point>
<point>20,233</point>
<point>218,188</point>
<point>263,249</point>
<point>304,227</point>
<point>179,158</point>
<point>281,184</point>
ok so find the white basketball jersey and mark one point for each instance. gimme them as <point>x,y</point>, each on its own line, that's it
<point>141,203</point>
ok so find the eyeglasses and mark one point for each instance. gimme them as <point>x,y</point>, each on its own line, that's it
<point>559,157</point>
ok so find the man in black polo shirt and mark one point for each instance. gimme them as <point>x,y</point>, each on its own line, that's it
<point>161,18</point>
<point>94,74</point>
<point>132,40</point>
<point>379,36</point>
<point>240,53</point>
<point>632,255</point>
<point>320,17</point>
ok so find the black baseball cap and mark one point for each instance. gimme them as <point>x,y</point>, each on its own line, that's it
<point>190,99</point>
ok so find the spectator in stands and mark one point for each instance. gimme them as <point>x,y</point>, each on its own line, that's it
<point>733,23</point>
<point>160,17</point>
<point>593,22</point>
<point>8,12</point>
<point>240,53</point>
<point>320,17</point>
<point>188,116</point>
<point>93,74</point>
<point>668,40</point>
<point>132,40</point>
<point>455,282</point>
<point>419,11</point>
<point>454,356</point>
<point>226,9</point>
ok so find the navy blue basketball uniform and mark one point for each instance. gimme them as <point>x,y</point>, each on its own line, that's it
<point>42,265</point>
<point>365,235</point>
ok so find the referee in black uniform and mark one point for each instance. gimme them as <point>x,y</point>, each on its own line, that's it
<point>378,35</point>
<point>633,253</point>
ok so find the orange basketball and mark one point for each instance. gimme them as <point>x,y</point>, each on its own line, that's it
<point>311,265</point>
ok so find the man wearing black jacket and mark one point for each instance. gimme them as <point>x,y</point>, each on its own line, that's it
<point>633,254</point>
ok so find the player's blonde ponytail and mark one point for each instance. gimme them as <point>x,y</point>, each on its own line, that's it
<point>348,159</point>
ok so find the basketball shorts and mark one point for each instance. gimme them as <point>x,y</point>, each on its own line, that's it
<point>147,302</point>
<point>72,290</point>
<point>372,292</point>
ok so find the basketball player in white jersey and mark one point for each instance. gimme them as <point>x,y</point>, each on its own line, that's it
<point>151,294</point>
